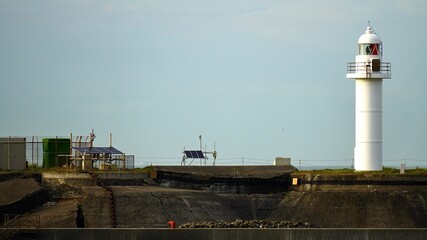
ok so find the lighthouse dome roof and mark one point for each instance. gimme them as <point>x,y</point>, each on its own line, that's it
<point>369,37</point>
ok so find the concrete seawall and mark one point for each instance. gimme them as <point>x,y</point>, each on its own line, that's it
<point>226,179</point>
<point>227,234</point>
<point>359,181</point>
<point>356,200</point>
<point>148,206</point>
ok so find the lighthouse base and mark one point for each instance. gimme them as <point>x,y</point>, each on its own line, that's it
<point>368,157</point>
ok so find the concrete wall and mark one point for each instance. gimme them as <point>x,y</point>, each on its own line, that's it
<point>228,234</point>
<point>362,178</point>
<point>123,179</point>
<point>358,209</point>
<point>227,185</point>
<point>280,161</point>
<point>12,153</point>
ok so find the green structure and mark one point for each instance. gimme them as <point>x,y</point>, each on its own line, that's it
<point>52,149</point>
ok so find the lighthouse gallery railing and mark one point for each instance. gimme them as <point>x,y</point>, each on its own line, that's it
<point>362,67</point>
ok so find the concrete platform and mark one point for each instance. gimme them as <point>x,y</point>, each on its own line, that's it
<point>226,179</point>
<point>229,171</point>
<point>229,234</point>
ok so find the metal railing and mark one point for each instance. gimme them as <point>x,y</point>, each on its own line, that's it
<point>363,67</point>
<point>13,224</point>
<point>29,149</point>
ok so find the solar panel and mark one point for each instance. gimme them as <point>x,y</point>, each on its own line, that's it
<point>97,150</point>
<point>194,154</point>
<point>79,149</point>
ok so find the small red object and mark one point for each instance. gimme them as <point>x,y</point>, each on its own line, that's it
<point>172,224</point>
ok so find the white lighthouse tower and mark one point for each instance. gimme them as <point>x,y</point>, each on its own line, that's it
<point>369,71</point>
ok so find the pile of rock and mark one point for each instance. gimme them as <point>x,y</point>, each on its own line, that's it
<point>48,204</point>
<point>249,224</point>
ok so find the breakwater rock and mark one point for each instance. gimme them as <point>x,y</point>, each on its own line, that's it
<point>249,224</point>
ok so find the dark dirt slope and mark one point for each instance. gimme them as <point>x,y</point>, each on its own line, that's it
<point>19,195</point>
<point>16,189</point>
<point>374,209</point>
<point>61,215</point>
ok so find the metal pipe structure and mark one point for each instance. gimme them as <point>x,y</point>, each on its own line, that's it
<point>111,140</point>
<point>368,72</point>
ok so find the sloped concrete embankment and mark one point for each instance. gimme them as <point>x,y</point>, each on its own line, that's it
<point>357,201</point>
<point>322,200</point>
<point>96,207</point>
<point>355,209</point>
<point>66,190</point>
<point>148,206</point>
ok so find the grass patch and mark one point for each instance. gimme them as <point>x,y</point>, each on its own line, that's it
<point>328,171</point>
<point>385,171</point>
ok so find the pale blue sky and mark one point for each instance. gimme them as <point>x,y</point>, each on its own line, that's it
<point>261,78</point>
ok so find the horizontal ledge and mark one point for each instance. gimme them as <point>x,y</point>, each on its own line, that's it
<point>365,76</point>
<point>369,111</point>
<point>370,141</point>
